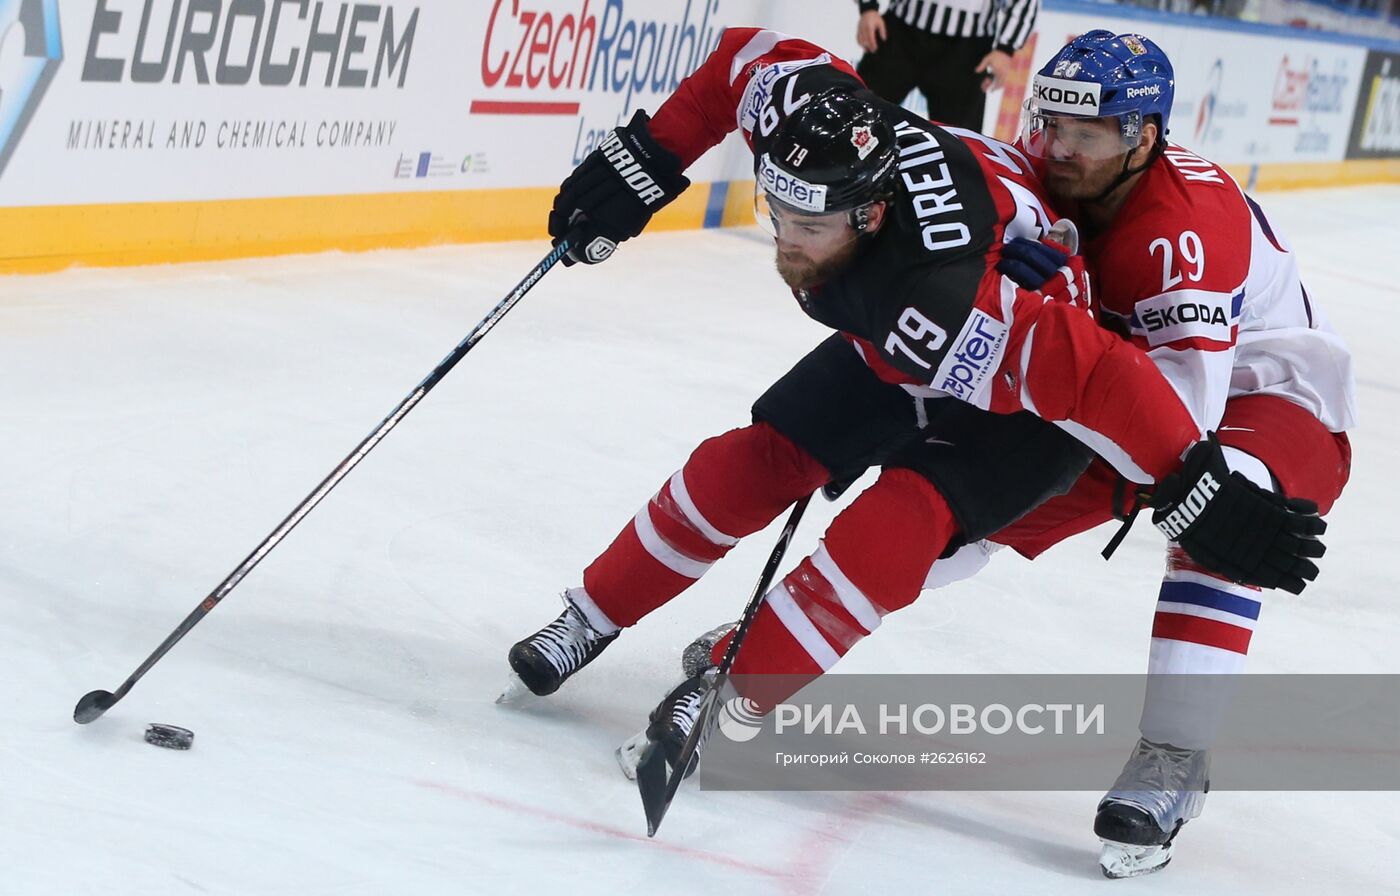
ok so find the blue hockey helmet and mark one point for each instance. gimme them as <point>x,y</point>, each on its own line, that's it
<point>1101,75</point>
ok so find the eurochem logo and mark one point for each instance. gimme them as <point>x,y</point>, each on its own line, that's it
<point>30,51</point>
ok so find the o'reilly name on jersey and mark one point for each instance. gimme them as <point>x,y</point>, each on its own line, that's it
<point>269,42</point>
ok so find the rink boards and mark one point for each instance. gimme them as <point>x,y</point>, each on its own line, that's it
<point>137,131</point>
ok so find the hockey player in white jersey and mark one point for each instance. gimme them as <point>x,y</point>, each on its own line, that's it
<point>1188,268</point>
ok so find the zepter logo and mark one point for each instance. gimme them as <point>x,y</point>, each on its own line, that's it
<point>30,51</point>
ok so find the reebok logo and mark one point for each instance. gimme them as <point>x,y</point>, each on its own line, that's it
<point>642,183</point>
<point>1154,90</point>
<point>1180,519</point>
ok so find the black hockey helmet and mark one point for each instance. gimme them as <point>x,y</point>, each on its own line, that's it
<point>835,153</point>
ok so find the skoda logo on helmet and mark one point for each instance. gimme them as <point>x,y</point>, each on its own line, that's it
<point>1067,97</point>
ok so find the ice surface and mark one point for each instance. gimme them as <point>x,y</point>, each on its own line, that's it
<point>158,422</point>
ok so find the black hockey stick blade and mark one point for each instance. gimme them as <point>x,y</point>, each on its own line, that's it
<point>657,789</point>
<point>92,706</point>
<point>657,786</point>
<point>651,783</point>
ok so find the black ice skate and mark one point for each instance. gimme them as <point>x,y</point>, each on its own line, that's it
<point>546,659</point>
<point>669,725</point>
<point>1160,789</point>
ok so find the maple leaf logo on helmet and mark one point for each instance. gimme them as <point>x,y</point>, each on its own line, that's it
<point>863,140</point>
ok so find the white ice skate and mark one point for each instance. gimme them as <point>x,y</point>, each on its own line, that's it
<point>1160,789</point>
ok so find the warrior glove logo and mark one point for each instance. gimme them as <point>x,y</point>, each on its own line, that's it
<point>23,84</point>
<point>631,171</point>
<point>1186,513</point>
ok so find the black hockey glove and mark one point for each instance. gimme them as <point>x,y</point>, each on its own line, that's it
<point>1235,528</point>
<point>614,191</point>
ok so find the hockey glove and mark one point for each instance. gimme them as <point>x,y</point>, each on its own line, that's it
<point>614,191</point>
<point>1235,528</point>
<point>1030,263</point>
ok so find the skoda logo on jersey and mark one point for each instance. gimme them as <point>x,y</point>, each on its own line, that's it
<point>24,79</point>
<point>1067,97</point>
<point>793,191</point>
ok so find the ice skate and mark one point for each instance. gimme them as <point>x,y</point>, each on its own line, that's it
<point>546,659</point>
<point>698,654</point>
<point>1160,788</point>
<point>696,660</point>
<point>669,725</point>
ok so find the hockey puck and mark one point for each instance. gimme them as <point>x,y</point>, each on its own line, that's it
<point>172,737</point>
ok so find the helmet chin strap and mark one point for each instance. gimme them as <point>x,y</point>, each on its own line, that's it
<point>1127,172</point>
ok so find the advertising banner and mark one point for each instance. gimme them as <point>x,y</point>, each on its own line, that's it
<point>148,130</point>
<point>1241,98</point>
<point>1375,132</point>
<point>165,100</point>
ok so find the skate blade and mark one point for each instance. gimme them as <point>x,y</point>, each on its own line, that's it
<point>630,754</point>
<point>1120,860</point>
<point>515,692</point>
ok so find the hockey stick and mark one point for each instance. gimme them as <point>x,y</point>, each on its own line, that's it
<point>94,704</point>
<point>656,787</point>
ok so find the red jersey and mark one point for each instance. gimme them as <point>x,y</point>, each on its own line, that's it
<point>1194,274</point>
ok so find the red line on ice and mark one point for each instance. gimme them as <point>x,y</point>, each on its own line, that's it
<point>594,827</point>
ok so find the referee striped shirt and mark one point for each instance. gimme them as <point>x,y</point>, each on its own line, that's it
<point>1008,22</point>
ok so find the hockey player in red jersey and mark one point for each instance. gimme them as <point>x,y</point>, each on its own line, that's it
<point>976,397</point>
<point>1188,268</point>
